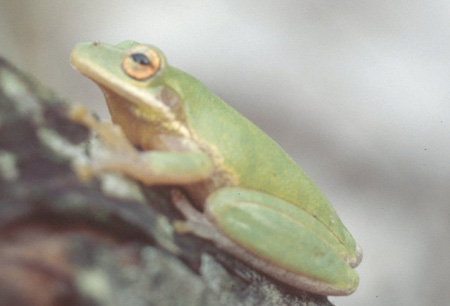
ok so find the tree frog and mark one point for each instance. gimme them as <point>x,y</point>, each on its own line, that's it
<point>245,193</point>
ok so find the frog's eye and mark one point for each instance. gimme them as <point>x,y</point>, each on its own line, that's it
<point>141,63</point>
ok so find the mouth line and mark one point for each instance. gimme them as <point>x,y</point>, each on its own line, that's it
<point>104,79</point>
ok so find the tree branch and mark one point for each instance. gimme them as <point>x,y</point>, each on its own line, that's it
<point>109,241</point>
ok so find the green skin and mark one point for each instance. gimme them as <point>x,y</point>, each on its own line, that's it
<point>261,205</point>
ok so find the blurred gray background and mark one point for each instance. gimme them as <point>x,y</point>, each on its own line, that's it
<point>358,92</point>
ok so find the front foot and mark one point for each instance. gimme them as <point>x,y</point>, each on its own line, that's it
<point>109,133</point>
<point>122,156</point>
<point>148,167</point>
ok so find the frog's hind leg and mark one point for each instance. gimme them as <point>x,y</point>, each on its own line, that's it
<point>273,236</point>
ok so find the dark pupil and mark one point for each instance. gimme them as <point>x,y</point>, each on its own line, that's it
<point>141,59</point>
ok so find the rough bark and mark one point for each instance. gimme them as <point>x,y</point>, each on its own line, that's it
<point>109,241</point>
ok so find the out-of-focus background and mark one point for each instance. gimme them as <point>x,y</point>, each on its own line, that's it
<point>358,92</point>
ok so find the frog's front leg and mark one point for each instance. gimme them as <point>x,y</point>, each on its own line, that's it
<point>273,236</point>
<point>148,167</point>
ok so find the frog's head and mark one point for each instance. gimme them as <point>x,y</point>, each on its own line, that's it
<point>133,78</point>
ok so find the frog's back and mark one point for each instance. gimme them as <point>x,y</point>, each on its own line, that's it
<point>259,162</point>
